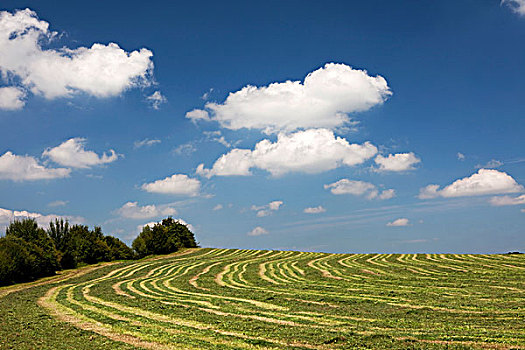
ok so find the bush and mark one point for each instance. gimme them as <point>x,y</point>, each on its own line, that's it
<point>16,264</point>
<point>164,238</point>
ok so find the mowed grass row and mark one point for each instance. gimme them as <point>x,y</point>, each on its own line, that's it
<point>251,299</point>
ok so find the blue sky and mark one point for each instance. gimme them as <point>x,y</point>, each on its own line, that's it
<point>320,126</point>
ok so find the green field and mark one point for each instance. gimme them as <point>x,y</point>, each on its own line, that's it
<point>252,299</point>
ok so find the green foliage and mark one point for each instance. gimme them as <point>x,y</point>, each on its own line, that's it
<point>41,247</point>
<point>15,261</point>
<point>164,238</point>
<point>118,249</point>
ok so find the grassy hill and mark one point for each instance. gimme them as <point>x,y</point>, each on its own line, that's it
<point>251,299</point>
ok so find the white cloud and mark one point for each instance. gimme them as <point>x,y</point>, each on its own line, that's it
<point>20,168</point>
<point>484,182</point>
<point>101,70</point>
<point>12,98</point>
<point>507,200</point>
<point>58,203</point>
<point>7,216</point>
<point>323,100</point>
<point>314,210</point>
<point>397,162</point>
<point>153,223</point>
<point>198,115</point>
<point>217,207</point>
<point>265,210</point>
<point>206,95</point>
<point>156,99</point>
<point>493,163</point>
<point>518,6</point>
<point>145,143</point>
<point>258,231</point>
<point>216,136</point>
<point>132,210</point>
<point>310,151</point>
<point>358,188</point>
<point>185,149</point>
<point>399,222</point>
<point>175,184</point>
<point>460,156</point>
<point>387,194</point>
<point>72,153</point>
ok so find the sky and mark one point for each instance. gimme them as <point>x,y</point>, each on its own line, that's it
<point>335,126</point>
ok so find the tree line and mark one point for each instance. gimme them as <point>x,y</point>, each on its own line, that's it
<point>28,252</point>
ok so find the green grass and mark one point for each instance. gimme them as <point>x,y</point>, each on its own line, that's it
<point>248,299</point>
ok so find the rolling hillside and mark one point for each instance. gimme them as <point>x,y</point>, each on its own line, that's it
<point>251,299</point>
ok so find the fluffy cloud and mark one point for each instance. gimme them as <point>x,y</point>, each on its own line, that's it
<point>460,156</point>
<point>399,222</point>
<point>314,210</point>
<point>310,151</point>
<point>217,207</point>
<point>518,6</point>
<point>175,184</point>
<point>132,210</point>
<point>507,200</point>
<point>358,188</point>
<point>323,100</point>
<point>484,182</point>
<point>198,115</point>
<point>156,99</point>
<point>145,143</point>
<point>387,194</point>
<point>11,98</point>
<point>7,216</point>
<point>258,231</point>
<point>267,209</point>
<point>72,153</point>
<point>397,162</point>
<point>58,203</point>
<point>20,168</point>
<point>101,70</point>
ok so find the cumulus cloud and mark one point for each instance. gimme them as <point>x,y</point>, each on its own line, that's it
<point>507,200</point>
<point>460,156</point>
<point>323,100</point>
<point>314,210</point>
<point>216,136</point>
<point>399,222</point>
<point>156,99</point>
<point>22,168</point>
<point>265,210</point>
<point>72,153</point>
<point>7,216</point>
<point>132,210</point>
<point>310,151</point>
<point>145,143</point>
<point>179,184</point>
<point>12,98</point>
<point>518,6</point>
<point>387,194</point>
<point>358,188</point>
<point>100,70</point>
<point>397,162</point>
<point>198,115</point>
<point>484,182</point>
<point>258,231</point>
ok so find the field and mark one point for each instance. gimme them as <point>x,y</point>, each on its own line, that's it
<point>251,299</point>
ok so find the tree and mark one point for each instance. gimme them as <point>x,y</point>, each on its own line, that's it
<point>118,249</point>
<point>163,238</point>
<point>16,262</point>
<point>41,247</point>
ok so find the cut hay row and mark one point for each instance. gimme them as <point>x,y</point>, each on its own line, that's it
<point>244,299</point>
